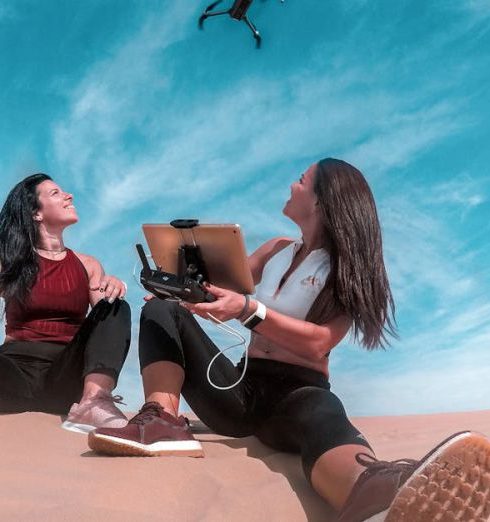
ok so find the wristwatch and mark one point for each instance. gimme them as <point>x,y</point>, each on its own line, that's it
<point>258,316</point>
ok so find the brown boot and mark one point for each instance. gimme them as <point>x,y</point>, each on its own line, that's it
<point>452,482</point>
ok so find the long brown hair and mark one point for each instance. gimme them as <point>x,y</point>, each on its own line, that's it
<point>18,238</point>
<point>357,285</point>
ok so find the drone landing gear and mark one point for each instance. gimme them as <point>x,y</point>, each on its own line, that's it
<point>238,11</point>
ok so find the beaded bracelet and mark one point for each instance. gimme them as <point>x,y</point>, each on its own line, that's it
<point>245,307</point>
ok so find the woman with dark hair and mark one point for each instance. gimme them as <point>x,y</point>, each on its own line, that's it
<point>54,355</point>
<point>312,291</point>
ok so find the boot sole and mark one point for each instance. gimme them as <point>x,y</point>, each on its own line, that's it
<point>453,484</point>
<point>119,447</point>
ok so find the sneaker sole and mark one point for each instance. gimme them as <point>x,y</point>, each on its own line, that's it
<point>452,484</point>
<point>126,448</point>
<point>77,428</point>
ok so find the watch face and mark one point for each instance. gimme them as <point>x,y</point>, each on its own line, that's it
<point>253,322</point>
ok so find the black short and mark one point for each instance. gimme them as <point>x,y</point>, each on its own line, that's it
<point>288,407</point>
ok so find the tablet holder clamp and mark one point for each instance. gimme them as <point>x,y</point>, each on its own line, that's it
<point>188,283</point>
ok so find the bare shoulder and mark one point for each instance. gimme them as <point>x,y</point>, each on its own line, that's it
<point>272,247</point>
<point>91,264</point>
<point>260,257</point>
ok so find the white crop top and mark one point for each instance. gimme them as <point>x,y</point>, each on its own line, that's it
<point>302,286</point>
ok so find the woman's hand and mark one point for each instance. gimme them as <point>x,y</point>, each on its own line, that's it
<point>111,288</point>
<point>228,304</point>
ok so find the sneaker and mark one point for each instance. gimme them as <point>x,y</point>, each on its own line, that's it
<point>452,482</point>
<point>98,412</point>
<point>152,432</point>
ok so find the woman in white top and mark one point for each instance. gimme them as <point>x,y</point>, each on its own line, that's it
<point>311,293</point>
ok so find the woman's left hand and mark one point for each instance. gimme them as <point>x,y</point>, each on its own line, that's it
<point>111,288</point>
<point>228,304</point>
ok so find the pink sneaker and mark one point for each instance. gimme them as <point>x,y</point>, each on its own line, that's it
<point>98,412</point>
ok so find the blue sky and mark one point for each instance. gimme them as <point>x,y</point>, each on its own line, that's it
<point>146,119</point>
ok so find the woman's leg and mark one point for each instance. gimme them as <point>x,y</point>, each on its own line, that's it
<point>336,471</point>
<point>174,356</point>
<point>312,421</point>
<point>15,388</point>
<point>162,383</point>
<point>343,470</point>
<point>92,361</point>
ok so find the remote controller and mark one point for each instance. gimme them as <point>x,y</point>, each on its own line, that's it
<point>167,286</point>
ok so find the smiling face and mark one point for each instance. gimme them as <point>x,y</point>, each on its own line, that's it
<point>56,209</point>
<point>302,206</point>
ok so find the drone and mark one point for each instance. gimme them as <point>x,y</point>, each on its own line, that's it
<point>238,11</point>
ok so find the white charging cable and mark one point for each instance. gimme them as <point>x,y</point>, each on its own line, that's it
<point>228,329</point>
<point>219,324</point>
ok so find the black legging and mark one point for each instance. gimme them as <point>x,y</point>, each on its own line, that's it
<point>288,407</point>
<point>48,377</point>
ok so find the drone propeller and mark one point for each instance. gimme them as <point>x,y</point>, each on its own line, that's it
<point>206,11</point>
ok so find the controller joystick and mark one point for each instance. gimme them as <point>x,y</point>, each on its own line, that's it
<point>171,286</point>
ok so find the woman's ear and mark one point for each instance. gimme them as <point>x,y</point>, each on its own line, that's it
<point>37,217</point>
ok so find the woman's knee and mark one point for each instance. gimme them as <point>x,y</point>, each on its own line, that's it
<point>122,308</point>
<point>159,310</point>
<point>119,311</point>
<point>158,335</point>
<point>12,380</point>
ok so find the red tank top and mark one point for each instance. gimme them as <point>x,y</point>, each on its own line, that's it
<point>56,306</point>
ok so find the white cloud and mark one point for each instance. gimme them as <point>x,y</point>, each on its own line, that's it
<point>459,385</point>
<point>195,158</point>
<point>228,138</point>
<point>464,192</point>
<point>444,367</point>
<point>479,8</point>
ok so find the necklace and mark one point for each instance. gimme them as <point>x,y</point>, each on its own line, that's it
<point>53,252</point>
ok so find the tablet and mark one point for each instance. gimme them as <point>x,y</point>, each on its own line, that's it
<point>222,249</point>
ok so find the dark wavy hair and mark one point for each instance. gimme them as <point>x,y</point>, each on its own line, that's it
<point>357,285</point>
<point>18,237</point>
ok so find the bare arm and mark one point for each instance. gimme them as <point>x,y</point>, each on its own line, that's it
<point>101,285</point>
<point>303,338</point>
<point>299,337</point>
<point>259,258</point>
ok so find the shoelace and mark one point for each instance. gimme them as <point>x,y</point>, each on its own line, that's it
<point>373,465</point>
<point>148,412</point>
<point>118,399</point>
<point>106,397</point>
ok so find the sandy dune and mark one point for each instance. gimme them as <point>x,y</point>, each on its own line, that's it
<point>48,474</point>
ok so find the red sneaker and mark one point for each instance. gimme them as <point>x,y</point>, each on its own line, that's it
<point>152,432</point>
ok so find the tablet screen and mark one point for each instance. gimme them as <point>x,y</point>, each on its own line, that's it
<point>222,249</point>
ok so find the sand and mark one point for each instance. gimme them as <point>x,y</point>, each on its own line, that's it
<point>48,474</point>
